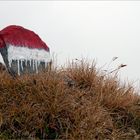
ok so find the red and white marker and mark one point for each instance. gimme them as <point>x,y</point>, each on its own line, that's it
<point>22,45</point>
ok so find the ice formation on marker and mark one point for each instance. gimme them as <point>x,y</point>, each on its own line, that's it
<point>23,55</point>
<point>23,51</point>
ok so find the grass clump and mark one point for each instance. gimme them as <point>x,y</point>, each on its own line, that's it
<point>77,102</point>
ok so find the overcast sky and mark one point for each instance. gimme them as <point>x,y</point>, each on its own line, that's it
<point>75,29</point>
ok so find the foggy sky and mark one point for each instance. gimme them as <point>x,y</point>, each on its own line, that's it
<point>80,29</point>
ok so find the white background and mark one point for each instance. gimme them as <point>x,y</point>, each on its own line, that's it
<point>83,29</point>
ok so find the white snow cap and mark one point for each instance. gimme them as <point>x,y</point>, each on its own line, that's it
<point>27,54</point>
<point>24,53</point>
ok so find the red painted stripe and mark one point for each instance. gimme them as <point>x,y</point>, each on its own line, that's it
<point>19,36</point>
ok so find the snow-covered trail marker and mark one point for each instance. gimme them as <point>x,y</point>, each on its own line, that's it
<point>23,50</point>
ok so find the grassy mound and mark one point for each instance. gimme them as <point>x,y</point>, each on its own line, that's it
<point>78,102</point>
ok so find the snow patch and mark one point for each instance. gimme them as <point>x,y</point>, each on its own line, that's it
<point>24,54</point>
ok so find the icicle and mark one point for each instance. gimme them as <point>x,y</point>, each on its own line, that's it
<point>18,67</point>
<point>46,65</point>
<point>30,62</point>
<point>10,62</point>
<point>26,62</point>
<point>38,63</point>
<point>22,65</point>
<point>33,65</point>
<point>36,66</point>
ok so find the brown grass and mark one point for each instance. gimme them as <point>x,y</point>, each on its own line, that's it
<point>78,103</point>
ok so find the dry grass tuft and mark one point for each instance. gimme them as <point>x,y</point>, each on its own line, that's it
<point>78,102</point>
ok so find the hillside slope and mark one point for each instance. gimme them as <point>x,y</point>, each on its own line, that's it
<point>78,103</point>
